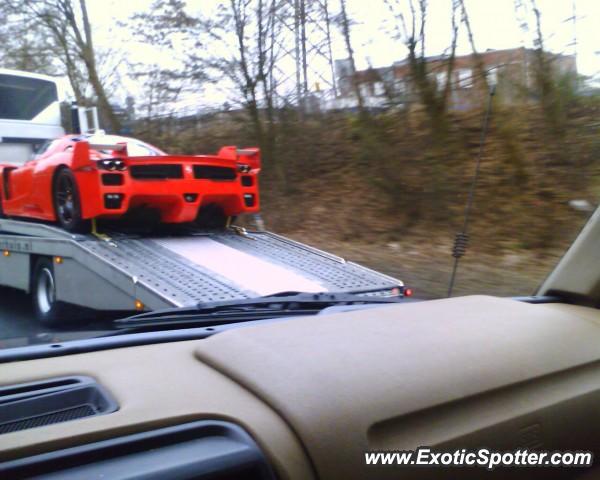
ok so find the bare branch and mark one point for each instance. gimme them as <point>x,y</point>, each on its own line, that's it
<point>479,65</point>
<point>350,51</point>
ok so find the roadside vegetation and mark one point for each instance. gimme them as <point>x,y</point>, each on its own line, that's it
<point>382,193</point>
<point>386,188</point>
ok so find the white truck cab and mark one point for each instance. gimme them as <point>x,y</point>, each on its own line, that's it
<point>29,114</point>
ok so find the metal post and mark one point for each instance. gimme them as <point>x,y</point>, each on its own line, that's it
<point>303,45</point>
<point>297,54</point>
<point>460,243</point>
<point>330,53</point>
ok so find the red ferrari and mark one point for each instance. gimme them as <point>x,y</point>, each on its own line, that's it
<point>80,177</point>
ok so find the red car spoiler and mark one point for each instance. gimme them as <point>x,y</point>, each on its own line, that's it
<point>81,153</point>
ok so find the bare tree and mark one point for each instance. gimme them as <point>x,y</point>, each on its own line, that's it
<point>162,89</point>
<point>545,79</point>
<point>479,64</point>
<point>245,32</point>
<point>169,28</point>
<point>433,91</point>
<point>345,24</point>
<point>67,25</point>
<point>22,47</point>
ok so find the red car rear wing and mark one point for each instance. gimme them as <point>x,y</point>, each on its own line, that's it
<point>250,156</point>
<point>81,153</point>
<point>116,147</point>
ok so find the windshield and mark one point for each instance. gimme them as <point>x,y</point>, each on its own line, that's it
<point>135,148</point>
<point>363,148</point>
<point>23,98</point>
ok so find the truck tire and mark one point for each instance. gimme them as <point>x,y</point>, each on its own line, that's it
<point>49,312</point>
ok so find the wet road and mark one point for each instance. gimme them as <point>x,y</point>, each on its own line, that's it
<point>16,315</point>
<point>18,326</point>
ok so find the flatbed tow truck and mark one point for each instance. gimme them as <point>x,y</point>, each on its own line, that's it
<point>160,268</point>
<point>120,271</point>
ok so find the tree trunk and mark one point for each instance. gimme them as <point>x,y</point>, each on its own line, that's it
<point>89,59</point>
<point>104,106</point>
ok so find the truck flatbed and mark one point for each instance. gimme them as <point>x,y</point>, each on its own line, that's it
<point>128,271</point>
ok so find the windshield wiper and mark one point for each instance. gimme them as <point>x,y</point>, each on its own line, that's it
<point>232,311</point>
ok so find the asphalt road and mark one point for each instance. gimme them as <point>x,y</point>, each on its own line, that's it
<point>18,326</point>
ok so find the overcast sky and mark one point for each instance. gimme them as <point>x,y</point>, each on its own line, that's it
<point>494,25</point>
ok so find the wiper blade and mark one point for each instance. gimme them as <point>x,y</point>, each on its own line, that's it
<point>232,311</point>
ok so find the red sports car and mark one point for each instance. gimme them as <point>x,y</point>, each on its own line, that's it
<point>79,177</point>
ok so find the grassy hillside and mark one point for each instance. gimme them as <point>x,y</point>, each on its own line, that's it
<point>389,192</point>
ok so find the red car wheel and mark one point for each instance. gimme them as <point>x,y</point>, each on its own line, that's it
<point>67,205</point>
<point>211,216</point>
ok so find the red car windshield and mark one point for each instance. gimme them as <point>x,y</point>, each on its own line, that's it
<point>135,148</point>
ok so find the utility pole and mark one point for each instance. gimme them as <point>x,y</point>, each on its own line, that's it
<point>305,44</point>
<point>573,20</point>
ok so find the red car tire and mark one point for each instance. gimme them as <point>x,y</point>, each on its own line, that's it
<point>211,216</point>
<point>67,203</point>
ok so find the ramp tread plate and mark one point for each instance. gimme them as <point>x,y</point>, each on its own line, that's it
<point>169,274</point>
<point>329,270</point>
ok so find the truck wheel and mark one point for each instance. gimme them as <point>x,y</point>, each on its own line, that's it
<point>48,311</point>
<point>67,205</point>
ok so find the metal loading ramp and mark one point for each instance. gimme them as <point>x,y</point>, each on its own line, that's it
<point>177,268</point>
<point>168,275</point>
<point>186,268</point>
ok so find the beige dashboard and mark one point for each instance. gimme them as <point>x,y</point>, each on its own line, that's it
<point>316,392</point>
<point>155,386</point>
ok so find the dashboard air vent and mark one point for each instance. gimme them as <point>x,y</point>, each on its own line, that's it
<point>202,450</point>
<point>56,400</point>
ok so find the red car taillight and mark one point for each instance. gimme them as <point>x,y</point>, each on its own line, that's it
<point>112,164</point>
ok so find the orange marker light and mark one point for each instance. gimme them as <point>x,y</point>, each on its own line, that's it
<point>58,260</point>
<point>139,305</point>
<point>6,253</point>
